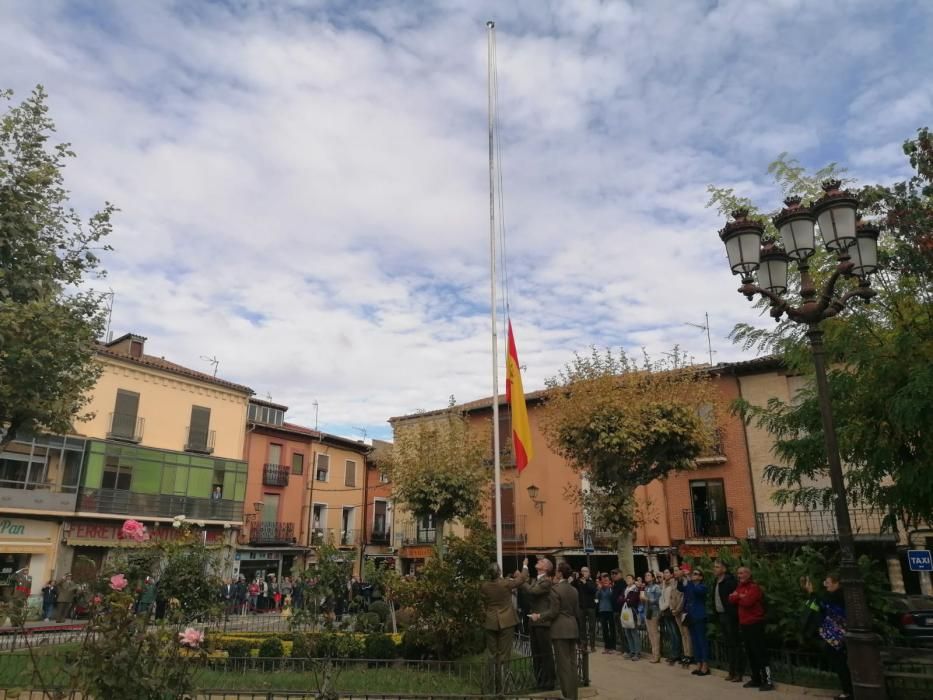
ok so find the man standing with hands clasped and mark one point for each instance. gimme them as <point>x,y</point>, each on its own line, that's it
<point>565,632</point>
<point>500,617</point>
<point>544,608</point>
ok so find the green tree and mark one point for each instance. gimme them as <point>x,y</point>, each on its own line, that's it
<point>437,466</point>
<point>48,321</point>
<point>881,359</point>
<point>622,424</point>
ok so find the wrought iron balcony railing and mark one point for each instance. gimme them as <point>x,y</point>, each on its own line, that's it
<point>819,526</point>
<point>412,534</point>
<point>272,533</point>
<point>201,441</point>
<point>516,531</point>
<point>275,474</point>
<point>601,536</point>
<point>701,524</point>
<point>126,426</point>
<point>380,537</point>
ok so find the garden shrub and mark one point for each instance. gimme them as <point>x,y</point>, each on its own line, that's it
<point>379,646</point>
<point>340,646</point>
<point>417,644</point>
<point>379,608</point>
<point>304,646</point>
<point>272,648</point>
<point>368,622</point>
<point>238,648</point>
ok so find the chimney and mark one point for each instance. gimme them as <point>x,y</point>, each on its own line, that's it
<point>130,344</point>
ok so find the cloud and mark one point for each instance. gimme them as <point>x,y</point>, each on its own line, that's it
<point>303,186</point>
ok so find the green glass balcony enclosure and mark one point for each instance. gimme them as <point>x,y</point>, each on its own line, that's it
<point>145,482</point>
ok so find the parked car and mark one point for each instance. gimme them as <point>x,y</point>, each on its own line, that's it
<point>912,616</point>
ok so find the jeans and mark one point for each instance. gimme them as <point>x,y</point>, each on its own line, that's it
<point>670,631</point>
<point>607,620</point>
<point>48,610</point>
<point>700,642</point>
<point>633,642</point>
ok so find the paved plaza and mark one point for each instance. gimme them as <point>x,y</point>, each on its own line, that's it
<point>615,678</point>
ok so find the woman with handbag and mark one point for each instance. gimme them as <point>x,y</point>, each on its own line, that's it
<point>630,599</point>
<point>652,600</point>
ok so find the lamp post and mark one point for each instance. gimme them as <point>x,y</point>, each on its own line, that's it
<point>856,248</point>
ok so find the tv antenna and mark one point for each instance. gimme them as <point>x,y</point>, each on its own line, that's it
<point>316,406</point>
<point>213,361</point>
<point>709,342</point>
<point>361,431</point>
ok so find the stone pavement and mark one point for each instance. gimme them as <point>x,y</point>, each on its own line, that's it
<point>616,678</point>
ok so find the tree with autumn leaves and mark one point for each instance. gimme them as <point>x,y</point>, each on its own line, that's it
<point>622,423</point>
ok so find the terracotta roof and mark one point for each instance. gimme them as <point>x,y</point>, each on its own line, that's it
<point>470,406</point>
<point>768,362</point>
<point>160,363</point>
<point>270,404</point>
<point>315,434</point>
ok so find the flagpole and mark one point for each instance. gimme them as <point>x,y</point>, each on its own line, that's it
<point>490,43</point>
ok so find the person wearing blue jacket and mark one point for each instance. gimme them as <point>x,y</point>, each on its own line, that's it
<point>694,590</point>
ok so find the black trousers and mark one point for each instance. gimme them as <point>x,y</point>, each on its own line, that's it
<point>754,638</point>
<point>608,623</point>
<point>587,625</point>
<point>840,664</point>
<point>729,625</point>
<point>542,658</point>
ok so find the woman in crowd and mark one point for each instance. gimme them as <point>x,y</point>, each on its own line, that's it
<point>694,591</point>
<point>606,615</point>
<point>651,597</point>
<point>631,597</point>
<point>669,628</point>
<point>829,611</point>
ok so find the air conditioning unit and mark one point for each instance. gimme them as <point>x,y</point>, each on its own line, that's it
<point>751,533</point>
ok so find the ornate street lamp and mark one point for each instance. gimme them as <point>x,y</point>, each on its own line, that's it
<point>856,248</point>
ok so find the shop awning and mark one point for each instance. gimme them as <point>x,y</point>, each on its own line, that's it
<point>20,548</point>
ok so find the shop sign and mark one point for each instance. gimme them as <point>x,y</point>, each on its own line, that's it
<point>106,535</point>
<point>16,529</point>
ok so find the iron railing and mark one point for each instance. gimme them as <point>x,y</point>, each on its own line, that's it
<point>201,441</point>
<point>126,426</point>
<point>272,533</point>
<point>380,537</point>
<point>700,524</point>
<point>413,534</point>
<point>334,536</point>
<point>819,525</point>
<point>599,536</point>
<point>157,504</point>
<point>514,531</point>
<point>275,474</point>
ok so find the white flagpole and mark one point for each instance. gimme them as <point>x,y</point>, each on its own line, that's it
<point>490,44</point>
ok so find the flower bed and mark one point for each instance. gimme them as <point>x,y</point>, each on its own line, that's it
<point>338,645</point>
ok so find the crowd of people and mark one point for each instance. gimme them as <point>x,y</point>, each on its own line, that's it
<point>673,607</point>
<point>267,594</point>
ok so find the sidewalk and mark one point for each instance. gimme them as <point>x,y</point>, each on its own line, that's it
<point>617,678</point>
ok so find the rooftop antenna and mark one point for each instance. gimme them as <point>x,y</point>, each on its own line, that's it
<point>361,431</point>
<point>709,342</point>
<point>315,404</point>
<point>111,294</point>
<point>213,361</point>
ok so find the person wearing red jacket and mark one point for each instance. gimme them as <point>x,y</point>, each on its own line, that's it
<point>749,598</point>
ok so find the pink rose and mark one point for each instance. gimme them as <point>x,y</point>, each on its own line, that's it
<point>134,530</point>
<point>97,600</point>
<point>191,638</point>
<point>118,582</point>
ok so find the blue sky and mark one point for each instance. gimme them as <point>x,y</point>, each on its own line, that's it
<point>303,185</point>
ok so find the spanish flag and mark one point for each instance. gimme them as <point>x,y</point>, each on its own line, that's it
<point>515,395</point>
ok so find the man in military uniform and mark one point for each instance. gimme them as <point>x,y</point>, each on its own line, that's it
<point>500,617</point>
<point>66,598</point>
<point>565,631</point>
<point>544,607</point>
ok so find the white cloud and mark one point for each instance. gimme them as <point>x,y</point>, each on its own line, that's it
<point>303,185</point>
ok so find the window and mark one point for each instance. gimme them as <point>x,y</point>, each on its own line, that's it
<point>427,530</point>
<point>323,466</point>
<point>347,533</point>
<point>710,517</point>
<point>318,523</point>
<point>125,410</point>
<point>270,508</point>
<point>217,488</point>
<point>199,430</point>
<point>275,454</point>
<point>266,414</point>
<point>116,476</point>
<point>380,522</point>
<point>298,463</point>
<point>708,416</point>
<point>383,477</point>
<point>505,439</point>
<point>350,479</point>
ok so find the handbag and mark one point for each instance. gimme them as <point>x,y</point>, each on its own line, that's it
<point>627,617</point>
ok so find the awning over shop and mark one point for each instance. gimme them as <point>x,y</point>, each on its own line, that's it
<point>24,548</point>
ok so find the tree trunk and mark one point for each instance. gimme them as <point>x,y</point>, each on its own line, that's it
<point>439,529</point>
<point>626,551</point>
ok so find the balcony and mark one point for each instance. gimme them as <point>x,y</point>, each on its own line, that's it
<point>127,427</point>
<point>704,525</point>
<point>334,536</point>
<point>158,505</point>
<point>380,538</point>
<point>272,533</point>
<point>600,537</point>
<point>513,531</point>
<point>819,526</point>
<point>200,441</point>
<point>275,475</point>
<point>413,535</point>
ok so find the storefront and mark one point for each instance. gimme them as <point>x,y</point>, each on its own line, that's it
<point>252,563</point>
<point>89,543</point>
<point>26,545</point>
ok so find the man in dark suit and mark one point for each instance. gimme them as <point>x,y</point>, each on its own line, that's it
<point>544,607</point>
<point>565,631</point>
<point>500,617</point>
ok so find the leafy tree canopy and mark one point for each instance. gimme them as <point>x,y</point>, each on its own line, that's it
<point>48,321</point>
<point>881,358</point>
